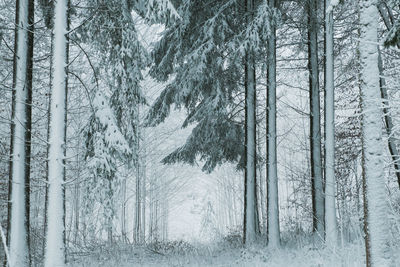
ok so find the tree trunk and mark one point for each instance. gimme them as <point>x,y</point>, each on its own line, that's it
<point>12,130</point>
<point>123,212</point>
<point>21,139</point>
<point>375,206</point>
<point>330,181</point>
<point>46,201</point>
<point>143,193</point>
<point>388,20</point>
<point>55,236</point>
<point>138,209</point>
<point>272,171</point>
<point>315,122</point>
<point>139,234</point>
<point>250,142</point>
<point>394,152</point>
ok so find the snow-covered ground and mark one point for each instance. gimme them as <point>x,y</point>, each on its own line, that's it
<point>223,255</point>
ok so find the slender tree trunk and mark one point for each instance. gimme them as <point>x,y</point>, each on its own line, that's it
<point>151,205</point>
<point>330,180</point>
<point>394,152</point>
<point>21,139</point>
<point>65,114</point>
<point>272,171</point>
<point>250,143</point>
<point>143,193</point>
<point>55,236</point>
<point>257,201</point>
<point>375,206</point>
<point>123,215</point>
<point>315,123</point>
<point>46,201</point>
<point>261,190</point>
<point>388,20</point>
<point>165,213</point>
<point>12,130</point>
<point>139,209</point>
<point>76,190</point>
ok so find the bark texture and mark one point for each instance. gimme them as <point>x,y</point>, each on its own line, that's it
<point>375,206</point>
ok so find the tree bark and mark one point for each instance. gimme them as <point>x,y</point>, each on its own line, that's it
<point>10,179</point>
<point>250,140</point>
<point>375,206</point>
<point>388,20</point>
<point>21,136</point>
<point>55,236</point>
<point>139,233</point>
<point>315,122</point>
<point>394,152</point>
<point>273,234</point>
<point>330,180</point>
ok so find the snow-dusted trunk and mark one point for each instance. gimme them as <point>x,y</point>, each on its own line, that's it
<point>394,152</point>
<point>388,20</point>
<point>12,130</point>
<point>55,247</point>
<point>151,217</point>
<point>47,148</point>
<point>152,211</point>
<point>139,233</point>
<point>136,235</point>
<point>165,213</point>
<point>375,206</point>
<point>163,210</point>
<point>21,139</point>
<point>315,122</point>
<point>262,186</point>
<point>250,141</point>
<point>76,203</point>
<point>138,209</point>
<point>272,172</point>
<point>123,212</point>
<point>382,7</point>
<point>143,194</point>
<point>330,181</point>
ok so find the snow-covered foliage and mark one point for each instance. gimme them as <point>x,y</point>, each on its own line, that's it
<point>226,252</point>
<point>202,54</point>
<point>124,206</point>
<point>157,11</point>
<point>106,149</point>
<point>112,133</point>
<point>106,144</point>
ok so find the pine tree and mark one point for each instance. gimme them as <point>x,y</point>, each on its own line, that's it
<point>375,206</point>
<point>106,146</point>
<point>272,172</point>
<point>55,235</point>
<point>203,54</point>
<point>208,96</point>
<point>21,140</point>
<point>330,181</point>
<point>250,218</point>
<point>315,121</point>
<point>112,34</point>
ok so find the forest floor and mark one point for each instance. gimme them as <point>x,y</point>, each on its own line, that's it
<point>223,254</point>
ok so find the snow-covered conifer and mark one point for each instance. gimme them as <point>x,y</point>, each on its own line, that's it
<point>375,205</point>
<point>21,137</point>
